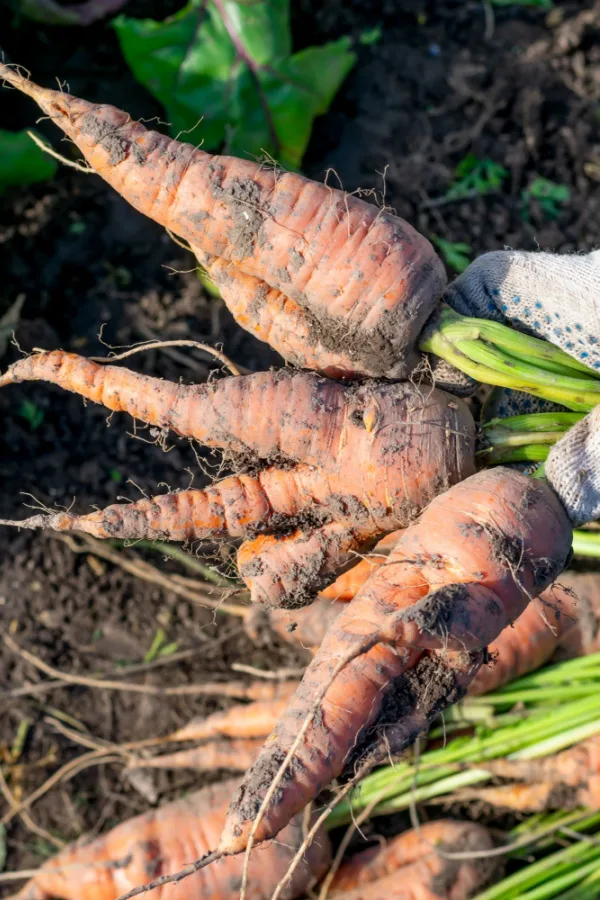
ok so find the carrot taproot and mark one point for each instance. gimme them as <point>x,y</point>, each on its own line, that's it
<point>410,866</point>
<point>584,587</point>
<point>311,434</point>
<point>456,578</point>
<point>532,640</point>
<point>164,840</point>
<point>348,584</point>
<point>242,720</point>
<point>567,779</point>
<point>235,753</point>
<point>331,281</point>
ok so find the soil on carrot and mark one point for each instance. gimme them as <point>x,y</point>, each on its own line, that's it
<point>435,83</point>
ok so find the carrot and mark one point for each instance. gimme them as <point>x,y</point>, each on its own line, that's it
<point>456,578</point>
<point>409,867</point>
<point>236,754</point>
<point>164,840</point>
<point>539,631</point>
<point>309,433</point>
<point>332,282</point>
<point>240,720</point>
<point>347,585</point>
<point>585,637</point>
<point>567,779</point>
<point>305,627</point>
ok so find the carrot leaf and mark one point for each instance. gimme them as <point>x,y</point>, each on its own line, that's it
<point>226,75</point>
<point>22,161</point>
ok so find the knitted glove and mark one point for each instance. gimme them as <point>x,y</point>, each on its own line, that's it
<point>545,294</point>
<point>573,469</point>
<point>557,298</point>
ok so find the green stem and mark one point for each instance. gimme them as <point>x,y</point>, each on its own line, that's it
<point>496,354</point>
<point>186,559</point>
<point>519,345</point>
<point>495,456</point>
<point>586,543</point>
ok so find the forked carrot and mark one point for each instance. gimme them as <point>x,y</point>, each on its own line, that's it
<point>332,282</point>
<point>307,434</point>
<point>456,578</point>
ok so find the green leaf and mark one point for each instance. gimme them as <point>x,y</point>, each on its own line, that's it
<point>157,642</point>
<point>22,161</point>
<point>371,36</point>
<point>32,413</point>
<point>549,195</point>
<point>224,72</point>
<point>456,255</point>
<point>476,176</point>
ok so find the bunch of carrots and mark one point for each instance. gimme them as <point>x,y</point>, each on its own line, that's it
<point>329,460</point>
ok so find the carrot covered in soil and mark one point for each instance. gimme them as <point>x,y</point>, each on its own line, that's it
<point>564,619</point>
<point>165,840</point>
<point>409,866</point>
<point>332,282</point>
<point>456,578</point>
<point>341,464</point>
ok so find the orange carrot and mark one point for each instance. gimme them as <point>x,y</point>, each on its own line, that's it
<point>409,445</point>
<point>561,620</point>
<point>545,624</point>
<point>240,720</point>
<point>567,779</point>
<point>164,840</point>
<point>409,868</point>
<point>349,583</point>
<point>456,578</point>
<point>236,754</point>
<point>332,282</point>
<point>585,636</point>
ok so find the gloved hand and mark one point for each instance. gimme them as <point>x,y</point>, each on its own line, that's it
<point>556,297</point>
<point>552,296</point>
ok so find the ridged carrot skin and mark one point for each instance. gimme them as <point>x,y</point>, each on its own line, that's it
<point>167,839</point>
<point>333,282</point>
<point>407,867</point>
<point>242,720</point>
<point>343,464</point>
<point>456,578</point>
<point>236,754</point>
<point>566,780</point>
<point>540,630</point>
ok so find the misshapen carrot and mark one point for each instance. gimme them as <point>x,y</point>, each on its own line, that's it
<point>331,281</point>
<point>456,578</point>
<point>409,868</point>
<point>342,464</point>
<point>165,840</point>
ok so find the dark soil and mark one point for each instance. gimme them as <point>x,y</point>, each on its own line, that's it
<point>521,87</point>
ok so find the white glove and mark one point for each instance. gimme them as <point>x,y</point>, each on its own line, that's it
<point>557,298</point>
